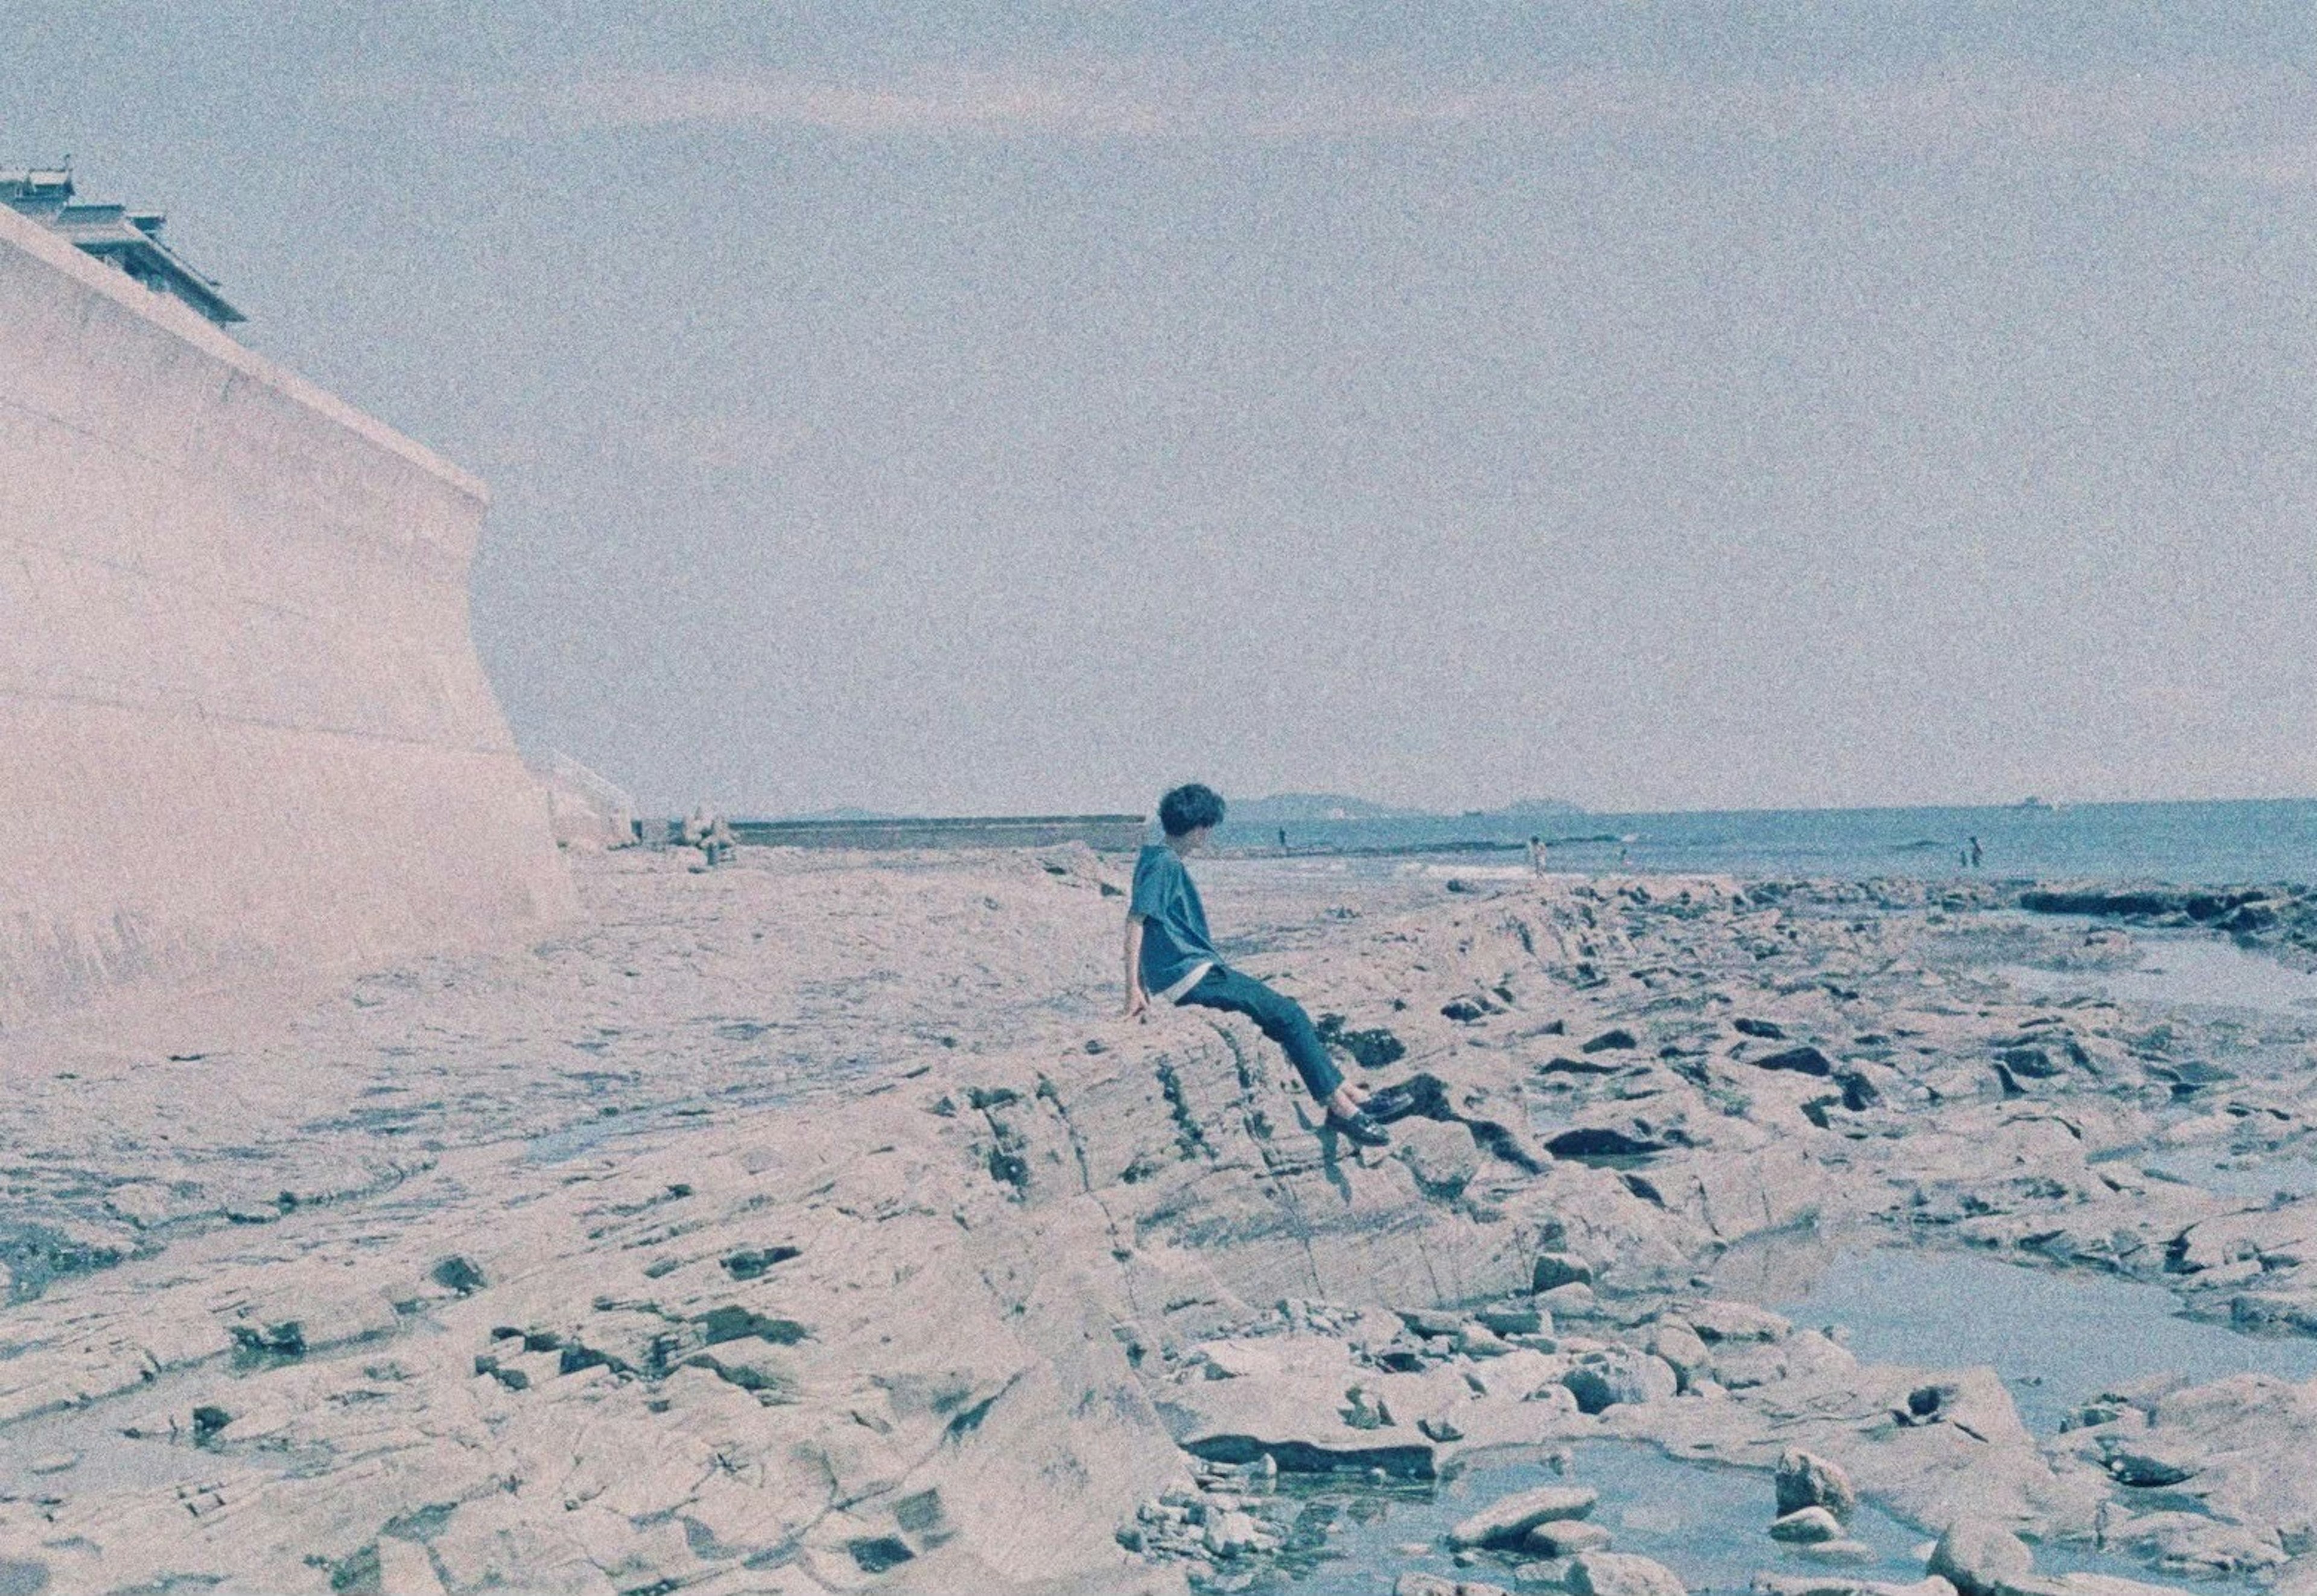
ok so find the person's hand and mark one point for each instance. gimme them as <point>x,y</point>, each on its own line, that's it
<point>1138,1004</point>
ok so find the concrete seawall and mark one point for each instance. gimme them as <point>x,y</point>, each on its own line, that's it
<point>1107,833</point>
<point>243,725</point>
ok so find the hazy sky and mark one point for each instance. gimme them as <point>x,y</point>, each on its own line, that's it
<point>955,408</point>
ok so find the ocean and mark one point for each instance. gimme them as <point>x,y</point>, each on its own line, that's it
<point>2209,843</point>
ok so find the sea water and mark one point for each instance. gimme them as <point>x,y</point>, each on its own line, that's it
<point>2185,843</point>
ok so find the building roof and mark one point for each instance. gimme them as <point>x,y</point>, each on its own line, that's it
<point>116,235</point>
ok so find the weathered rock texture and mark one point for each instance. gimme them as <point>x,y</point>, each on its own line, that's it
<point>244,723</point>
<point>917,1268</point>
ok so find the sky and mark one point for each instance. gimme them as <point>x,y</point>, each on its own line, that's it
<point>1002,409</point>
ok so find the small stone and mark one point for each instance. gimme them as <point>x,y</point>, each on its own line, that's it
<point>1806,1480</point>
<point>1505,1522</point>
<point>1979,1557</point>
<point>1545,1574</point>
<point>1565,1537</point>
<point>1806,1526</point>
<point>1439,1427</point>
<point>1621,1574</point>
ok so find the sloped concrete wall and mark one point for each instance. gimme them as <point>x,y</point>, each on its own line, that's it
<point>243,726</point>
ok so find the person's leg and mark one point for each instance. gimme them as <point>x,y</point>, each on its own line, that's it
<point>1280,1018</point>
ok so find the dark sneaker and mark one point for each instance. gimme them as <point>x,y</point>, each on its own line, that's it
<point>1397,1101</point>
<point>1360,1129</point>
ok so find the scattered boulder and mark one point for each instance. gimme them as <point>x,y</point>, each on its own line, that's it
<point>1621,1574</point>
<point>1806,1481</point>
<point>1610,1041</point>
<point>1979,1557</point>
<point>1566,1537</point>
<point>1507,1521</point>
<point>1806,1526</point>
<point>1681,1346</point>
<point>1559,1269</point>
<point>1618,1376</point>
<point>1765,1029</point>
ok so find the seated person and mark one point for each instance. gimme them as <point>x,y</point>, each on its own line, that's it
<point>1170,953</point>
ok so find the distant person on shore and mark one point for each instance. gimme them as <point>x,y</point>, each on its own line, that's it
<point>1976,854</point>
<point>1536,855</point>
<point>1282,840</point>
<point>1170,954</point>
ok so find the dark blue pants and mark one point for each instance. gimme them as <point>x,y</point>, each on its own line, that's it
<point>1281,1018</point>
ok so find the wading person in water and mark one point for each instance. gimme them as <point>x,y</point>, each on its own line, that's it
<point>1169,955</point>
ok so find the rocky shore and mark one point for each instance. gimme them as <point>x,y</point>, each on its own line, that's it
<point>814,1224</point>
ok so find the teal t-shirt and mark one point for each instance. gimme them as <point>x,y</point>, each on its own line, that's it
<point>1175,937</point>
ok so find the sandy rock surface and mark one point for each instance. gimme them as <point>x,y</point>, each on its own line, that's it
<point>816,1224</point>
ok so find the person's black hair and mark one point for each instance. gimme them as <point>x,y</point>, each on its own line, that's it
<point>1189,807</point>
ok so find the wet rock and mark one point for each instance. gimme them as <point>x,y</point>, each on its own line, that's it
<point>1799,1060</point>
<point>1611,1041</point>
<point>1806,1526</point>
<point>1804,1480</point>
<point>2034,1062</point>
<point>1371,1049</point>
<point>1230,1534</point>
<point>1621,1574</point>
<point>1506,1521</point>
<point>1566,1537</point>
<point>1559,1269</point>
<point>2138,1464</point>
<point>1628,1139</point>
<point>1979,1557</point>
<point>1619,1376</point>
<point>1767,1030</point>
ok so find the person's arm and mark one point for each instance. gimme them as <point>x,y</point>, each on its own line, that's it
<point>1138,1001</point>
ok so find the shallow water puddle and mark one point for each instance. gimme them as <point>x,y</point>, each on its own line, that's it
<point>1708,1523</point>
<point>2235,1174</point>
<point>2057,1340</point>
<point>2183,972</point>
